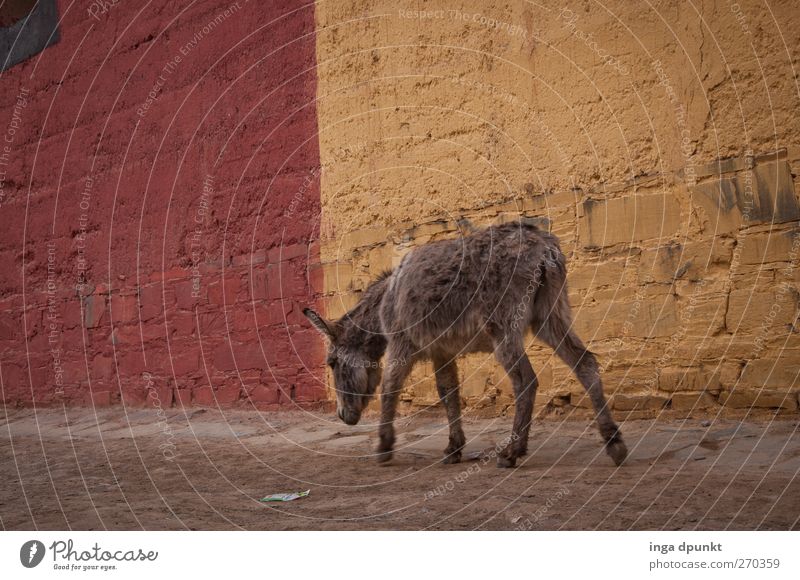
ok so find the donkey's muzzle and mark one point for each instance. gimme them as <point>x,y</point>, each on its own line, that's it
<point>349,416</point>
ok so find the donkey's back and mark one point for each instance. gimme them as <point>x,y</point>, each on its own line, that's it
<point>455,295</point>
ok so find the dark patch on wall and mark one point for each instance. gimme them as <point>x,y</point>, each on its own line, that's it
<point>763,194</point>
<point>29,35</point>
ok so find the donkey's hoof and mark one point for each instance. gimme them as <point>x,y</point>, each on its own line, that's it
<point>617,451</point>
<point>454,457</point>
<point>506,461</point>
<point>384,456</point>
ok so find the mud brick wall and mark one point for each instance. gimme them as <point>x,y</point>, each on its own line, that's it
<point>179,181</point>
<point>157,215</point>
<point>659,143</point>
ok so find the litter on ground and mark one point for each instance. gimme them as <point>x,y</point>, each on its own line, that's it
<point>285,496</point>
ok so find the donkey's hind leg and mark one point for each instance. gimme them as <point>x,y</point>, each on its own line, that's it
<point>552,323</point>
<point>584,364</point>
<point>447,384</point>
<point>510,353</point>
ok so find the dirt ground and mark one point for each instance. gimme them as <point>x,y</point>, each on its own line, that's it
<point>206,469</point>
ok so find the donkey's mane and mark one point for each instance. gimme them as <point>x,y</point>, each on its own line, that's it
<point>382,276</point>
<point>361,325</point>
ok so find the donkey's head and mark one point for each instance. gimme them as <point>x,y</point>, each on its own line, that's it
<point>353,357</point>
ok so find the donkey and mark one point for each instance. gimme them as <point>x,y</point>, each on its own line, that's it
<point>479,293</point>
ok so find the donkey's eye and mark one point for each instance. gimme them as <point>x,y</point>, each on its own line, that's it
<point>332,363</point>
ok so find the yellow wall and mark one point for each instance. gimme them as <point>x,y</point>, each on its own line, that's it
<point>604,121</point>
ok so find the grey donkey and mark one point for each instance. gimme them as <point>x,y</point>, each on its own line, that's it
<point>478,293</point>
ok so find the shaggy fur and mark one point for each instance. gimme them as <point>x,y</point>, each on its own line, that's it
<point>478,293</point>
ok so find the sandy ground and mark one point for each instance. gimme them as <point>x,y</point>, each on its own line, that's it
<point>205,469</point>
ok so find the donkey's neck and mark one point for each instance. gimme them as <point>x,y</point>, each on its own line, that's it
<point>361,326</point>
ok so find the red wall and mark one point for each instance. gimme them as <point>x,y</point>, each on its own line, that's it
<point>192,213</point>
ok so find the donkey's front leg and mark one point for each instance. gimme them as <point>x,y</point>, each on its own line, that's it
<point>398,367</point>
<point>511,354</point>
<point>447,384</point>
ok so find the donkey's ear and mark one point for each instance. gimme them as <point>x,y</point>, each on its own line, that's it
<point>321,324</point>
